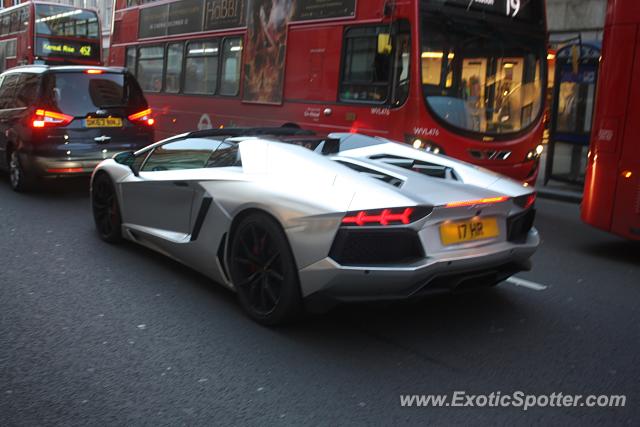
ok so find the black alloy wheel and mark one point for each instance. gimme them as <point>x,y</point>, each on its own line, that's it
<point>17,177</point>
<point>263,270</point>
<point>106,211</point>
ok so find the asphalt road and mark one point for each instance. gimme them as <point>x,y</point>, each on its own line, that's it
<point>96,334</point>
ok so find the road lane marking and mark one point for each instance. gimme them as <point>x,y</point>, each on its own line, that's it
<point>526,284</point>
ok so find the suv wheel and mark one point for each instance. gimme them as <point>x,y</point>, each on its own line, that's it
<point>17,177</point>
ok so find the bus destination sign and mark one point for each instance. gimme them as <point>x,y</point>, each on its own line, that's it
<point>46,47</point>
<point>519,9</point>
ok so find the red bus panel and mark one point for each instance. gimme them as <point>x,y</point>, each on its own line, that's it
<point>612,188</point>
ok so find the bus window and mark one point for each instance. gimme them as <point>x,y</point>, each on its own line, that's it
<point>10,48</point>
<point>230,77</point>
<point>4,24</point>
<point>130,60</point>
<point>93,28</point>
<point>173,77</point>
<point>201,74</point>
<point>150,68</point>
<point>24,18</point>
<point>15,24</point>
<point>366,70</point>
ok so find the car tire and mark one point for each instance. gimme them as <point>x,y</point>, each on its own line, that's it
<point>263,270</point>
<point>18,179</point>
<point>106,209</point>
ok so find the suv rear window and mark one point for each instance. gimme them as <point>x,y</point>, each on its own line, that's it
<point>79,94</point>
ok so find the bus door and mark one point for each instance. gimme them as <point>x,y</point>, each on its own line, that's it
<point>576,72</point>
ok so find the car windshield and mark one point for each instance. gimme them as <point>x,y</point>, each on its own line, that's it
<point>479,79</point>
<point>79,94</point>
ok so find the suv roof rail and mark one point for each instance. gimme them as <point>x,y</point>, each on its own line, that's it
<point>270,131</point>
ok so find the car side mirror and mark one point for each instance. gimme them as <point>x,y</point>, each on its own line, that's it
<point>128,159</point>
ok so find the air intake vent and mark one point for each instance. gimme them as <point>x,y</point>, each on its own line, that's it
<point>373,173</point>
<point>426,168</point>
<point>376,247</point>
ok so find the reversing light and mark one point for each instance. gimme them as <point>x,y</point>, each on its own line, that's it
<point>485,201</point>
<point>43,118</point>
<point>92,71</point>
<point>143,116</point>
<point>388,216</point>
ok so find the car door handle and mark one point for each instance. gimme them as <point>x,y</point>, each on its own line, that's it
<point>180,184</point>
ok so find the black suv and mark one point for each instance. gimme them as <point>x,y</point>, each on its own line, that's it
<point>63,120</point>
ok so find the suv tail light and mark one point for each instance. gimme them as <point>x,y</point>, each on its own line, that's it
<point>390,216</point>
<point>142,117</point>
<point>43,118</point>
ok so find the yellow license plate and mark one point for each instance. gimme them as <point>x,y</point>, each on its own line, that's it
<point>469,230</point>
<point>104,122</point>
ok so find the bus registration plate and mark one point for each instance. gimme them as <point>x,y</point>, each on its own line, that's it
<point>469,230</point>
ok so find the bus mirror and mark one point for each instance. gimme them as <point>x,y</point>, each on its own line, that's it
<point>384,44</point>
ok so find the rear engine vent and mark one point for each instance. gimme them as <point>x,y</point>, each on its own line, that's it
<point>518,226</point>
<point>389,179</point>
<point>425,168</point>
<point>376,247</point>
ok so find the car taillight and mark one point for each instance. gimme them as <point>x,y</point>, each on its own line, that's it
<point>390,216</point>
<point>143,117</point>
<point>486,201</point>
<point>93,71</point>
<point>43,118</point>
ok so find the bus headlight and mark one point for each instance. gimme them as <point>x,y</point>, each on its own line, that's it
<point>535,153</point>
<point>428,146</point>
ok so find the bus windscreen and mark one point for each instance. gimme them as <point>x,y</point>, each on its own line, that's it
<point>482,80</point>
<point>65,21</point>
<point>66,33</point>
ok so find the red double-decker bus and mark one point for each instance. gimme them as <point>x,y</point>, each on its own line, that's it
<point>48,33</point>
<point>612,189</point>
<point>466,78</point>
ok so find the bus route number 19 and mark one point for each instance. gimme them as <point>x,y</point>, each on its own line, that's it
<point>513,7</point>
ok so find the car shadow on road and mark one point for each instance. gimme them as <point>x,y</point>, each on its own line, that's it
<point>622,251</point>
<point>65,188</point>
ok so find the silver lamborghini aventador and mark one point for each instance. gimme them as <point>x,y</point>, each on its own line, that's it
<point>288,219</point>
